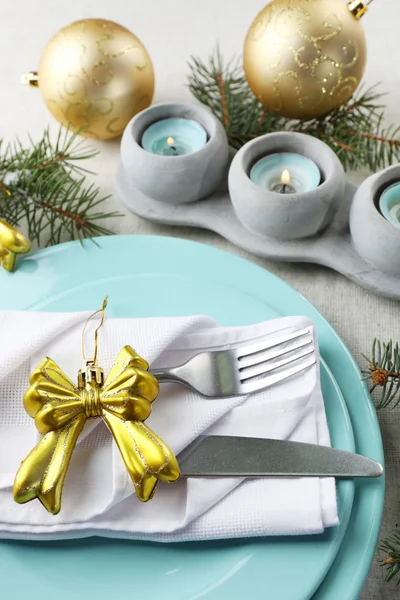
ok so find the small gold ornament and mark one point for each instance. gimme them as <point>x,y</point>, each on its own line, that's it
<point>60,409</point>
<point>12,242</point>
<point>303,58</point>
<point>94,76</point>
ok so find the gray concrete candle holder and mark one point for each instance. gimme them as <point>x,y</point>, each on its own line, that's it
<point>179,179</point>
<point>312,227</point>
<point>374,237</point>
<point>290,216</point>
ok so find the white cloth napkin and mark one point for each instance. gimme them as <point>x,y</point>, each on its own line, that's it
<point>98,496</point>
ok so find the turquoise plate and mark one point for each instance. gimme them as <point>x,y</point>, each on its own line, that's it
<point>155,276</point>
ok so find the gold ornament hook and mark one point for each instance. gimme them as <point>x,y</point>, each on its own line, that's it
<point>93,361</point>
<point>31,78</point>
<point>92,374</point>
<point>359,7</point>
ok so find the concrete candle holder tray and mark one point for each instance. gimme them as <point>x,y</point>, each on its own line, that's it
<point>335,224</point>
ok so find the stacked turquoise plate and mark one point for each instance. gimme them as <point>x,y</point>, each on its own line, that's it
<point>156,276</point>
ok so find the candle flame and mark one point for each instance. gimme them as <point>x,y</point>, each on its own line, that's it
<point>285,177</point>
<point>170,141</point>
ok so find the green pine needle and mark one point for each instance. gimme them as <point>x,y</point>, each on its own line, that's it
<point>391,547</point>
<point>42,186</point>
<point>354,131</point>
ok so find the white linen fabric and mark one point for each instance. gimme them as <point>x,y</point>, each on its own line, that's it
<point>98,496</point>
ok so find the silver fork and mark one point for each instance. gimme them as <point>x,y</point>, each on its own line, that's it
<point>243,370</point>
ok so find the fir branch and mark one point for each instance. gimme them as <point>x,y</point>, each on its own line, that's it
<point>384,372</point>
<point>223,89</point>
<point>355,131</point>
<point>43,185</point>
<point>391,547</point>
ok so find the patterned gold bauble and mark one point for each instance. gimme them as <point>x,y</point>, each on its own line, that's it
<point>302,58</point>
<point>94,75</point>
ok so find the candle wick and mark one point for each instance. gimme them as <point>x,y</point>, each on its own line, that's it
<point>284,188</point>
<point>173,148</point>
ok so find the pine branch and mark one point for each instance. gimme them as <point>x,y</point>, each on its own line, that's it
<point>391,547</point>
<point>354,131</point>
<point>43,186</point>
<point>384,372</point>
<point>224,90</point>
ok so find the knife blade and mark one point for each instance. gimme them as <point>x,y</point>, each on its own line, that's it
<point>230,456</point>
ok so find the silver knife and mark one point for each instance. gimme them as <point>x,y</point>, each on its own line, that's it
<point>230,456</point>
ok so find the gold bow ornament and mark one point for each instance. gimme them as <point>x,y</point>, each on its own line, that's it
<point>60,409</point>
<point>12,242</point>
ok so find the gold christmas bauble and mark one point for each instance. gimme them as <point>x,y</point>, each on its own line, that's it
<point>303,58</point>
<point>94,75</point>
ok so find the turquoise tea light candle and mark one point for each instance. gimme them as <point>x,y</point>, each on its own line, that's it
<point>174,137</point>
<point>389,204</point>
<point>286,173</point>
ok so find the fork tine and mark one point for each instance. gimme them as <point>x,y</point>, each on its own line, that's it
<point>264,345</point>
<point>269,380</point>
<point>271,365</point>
<point>260,357</point>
